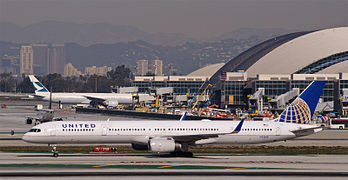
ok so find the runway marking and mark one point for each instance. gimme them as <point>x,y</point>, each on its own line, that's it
<point>239,168</point>
<point>168,166</point>
<point>103,165</point>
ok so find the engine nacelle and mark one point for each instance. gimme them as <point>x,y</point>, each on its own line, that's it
<point>112,103</point>
<point>29,120</point>
<point>162,145</point>
<point>140,146</point>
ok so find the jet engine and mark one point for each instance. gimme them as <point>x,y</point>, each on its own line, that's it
<point>162,145</point>
<point>111,103</point>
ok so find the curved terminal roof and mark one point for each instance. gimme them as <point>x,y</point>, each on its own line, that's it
<point>247,58</point>
<point>335,69</point>
<point>324,63</point>
<point>302,51</point>
<point>207,70</point>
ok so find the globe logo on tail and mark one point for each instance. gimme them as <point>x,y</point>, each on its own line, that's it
<point>297,112</point>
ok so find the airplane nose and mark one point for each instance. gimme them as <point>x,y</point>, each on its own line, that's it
<point>26,138</point>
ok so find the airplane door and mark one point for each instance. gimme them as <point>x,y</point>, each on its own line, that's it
<point>277,128</point>
<point>104,131</point>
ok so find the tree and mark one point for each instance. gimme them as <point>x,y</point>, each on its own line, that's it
<point>25,86</point>
<point>7,82</point>
<point>121,75</point>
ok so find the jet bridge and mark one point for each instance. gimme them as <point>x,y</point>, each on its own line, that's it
<point>344,102</point>
<point>282,100</point>
<point>257,99</point>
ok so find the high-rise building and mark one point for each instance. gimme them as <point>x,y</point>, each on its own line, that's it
<point>26,60</point>
<point>101,71</point>
<point>142,67</point>
<point>70,70</point>
<point>9,64</point>
<point>56,58</point>
<point>41,58</point>
<point>157,69</point>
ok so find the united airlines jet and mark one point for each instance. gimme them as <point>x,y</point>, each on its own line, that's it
<point>177,136</point>
<point>108,99</point>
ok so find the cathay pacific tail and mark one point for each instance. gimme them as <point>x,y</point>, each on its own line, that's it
<point>38,87</point>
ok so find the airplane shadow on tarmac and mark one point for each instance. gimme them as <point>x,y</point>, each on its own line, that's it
<point>118,155</point>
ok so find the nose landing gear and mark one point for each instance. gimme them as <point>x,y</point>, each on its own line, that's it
<point>54,150</point>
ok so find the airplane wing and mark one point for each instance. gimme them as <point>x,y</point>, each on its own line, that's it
<point>196,137</point>
<point>308,131</point>
<point>183,117</point>
<point>95,99</point>
<point>193,138</point>
<point>102,101</point>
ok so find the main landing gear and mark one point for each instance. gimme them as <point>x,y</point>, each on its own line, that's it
<point>184,151</point>
<point>54,150</point>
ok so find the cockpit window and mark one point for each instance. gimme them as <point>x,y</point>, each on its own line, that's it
<point>35,130</point>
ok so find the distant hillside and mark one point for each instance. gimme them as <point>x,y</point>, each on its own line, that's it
<point>244,33</point>
<point>93,33</point>
<point>104,44</point>
<point>185,58</point>
<point>84,34</point>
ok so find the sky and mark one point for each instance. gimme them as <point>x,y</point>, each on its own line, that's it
<point>195,18</point>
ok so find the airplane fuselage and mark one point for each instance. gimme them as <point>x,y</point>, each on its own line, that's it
<point>81,98</point>
<point>141,131</point>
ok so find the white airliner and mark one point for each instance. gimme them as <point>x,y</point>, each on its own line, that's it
<point>108,99</point>
<point>176,136</point>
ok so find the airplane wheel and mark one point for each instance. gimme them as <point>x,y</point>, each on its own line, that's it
<point>55,154</point>
<point>188,154</point>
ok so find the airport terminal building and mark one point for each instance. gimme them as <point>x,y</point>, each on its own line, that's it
<point>270,73</point>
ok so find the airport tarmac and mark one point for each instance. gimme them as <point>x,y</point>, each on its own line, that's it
<point>31,164</point>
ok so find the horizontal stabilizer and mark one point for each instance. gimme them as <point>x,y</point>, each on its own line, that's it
<point>306,132</point>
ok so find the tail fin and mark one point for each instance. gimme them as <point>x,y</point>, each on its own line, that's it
<point>301,110</point>
<point>38,87</point>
